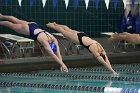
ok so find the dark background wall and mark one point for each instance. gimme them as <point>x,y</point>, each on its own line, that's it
<point>90,20</point>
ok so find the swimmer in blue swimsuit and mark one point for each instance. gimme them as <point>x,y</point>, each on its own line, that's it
<point>81,38</point>
<point>37,33</point>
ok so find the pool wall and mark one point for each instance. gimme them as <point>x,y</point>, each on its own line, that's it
<point>84,59</point>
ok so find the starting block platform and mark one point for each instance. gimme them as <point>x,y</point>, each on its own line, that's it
<point>22,43</point>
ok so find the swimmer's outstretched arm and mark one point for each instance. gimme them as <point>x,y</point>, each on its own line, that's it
<point>106,58</point>
<point>105,63</point>
<point>101,60</point>
<point>63,67</point>
<point>56,42</point>
<point>58,50</point>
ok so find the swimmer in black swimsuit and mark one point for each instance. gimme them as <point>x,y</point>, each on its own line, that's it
<point>37,33</point>
<point>81,38</point>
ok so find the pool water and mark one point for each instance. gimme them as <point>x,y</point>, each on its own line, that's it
<point>78,80</point>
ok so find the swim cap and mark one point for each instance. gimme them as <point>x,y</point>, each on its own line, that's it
<point>53,47</point>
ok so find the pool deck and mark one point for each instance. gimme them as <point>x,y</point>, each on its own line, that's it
<point>85,59</point>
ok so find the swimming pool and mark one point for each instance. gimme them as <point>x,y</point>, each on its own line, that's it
<point>78,80</point>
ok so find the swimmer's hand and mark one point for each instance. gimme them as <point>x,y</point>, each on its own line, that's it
<point>64,68</point>
<point>115,74</point>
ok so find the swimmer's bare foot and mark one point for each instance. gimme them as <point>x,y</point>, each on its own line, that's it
<point>50,25</point>
<point>54,23</point>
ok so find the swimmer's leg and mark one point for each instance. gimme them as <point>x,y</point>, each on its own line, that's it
<point>71,35</point>
<point>58,28</point>
<point>12,19</point>
<point>66,28</point>
<point>17,27</point>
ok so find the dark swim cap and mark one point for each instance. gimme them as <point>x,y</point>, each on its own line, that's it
<point>53,47</point>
